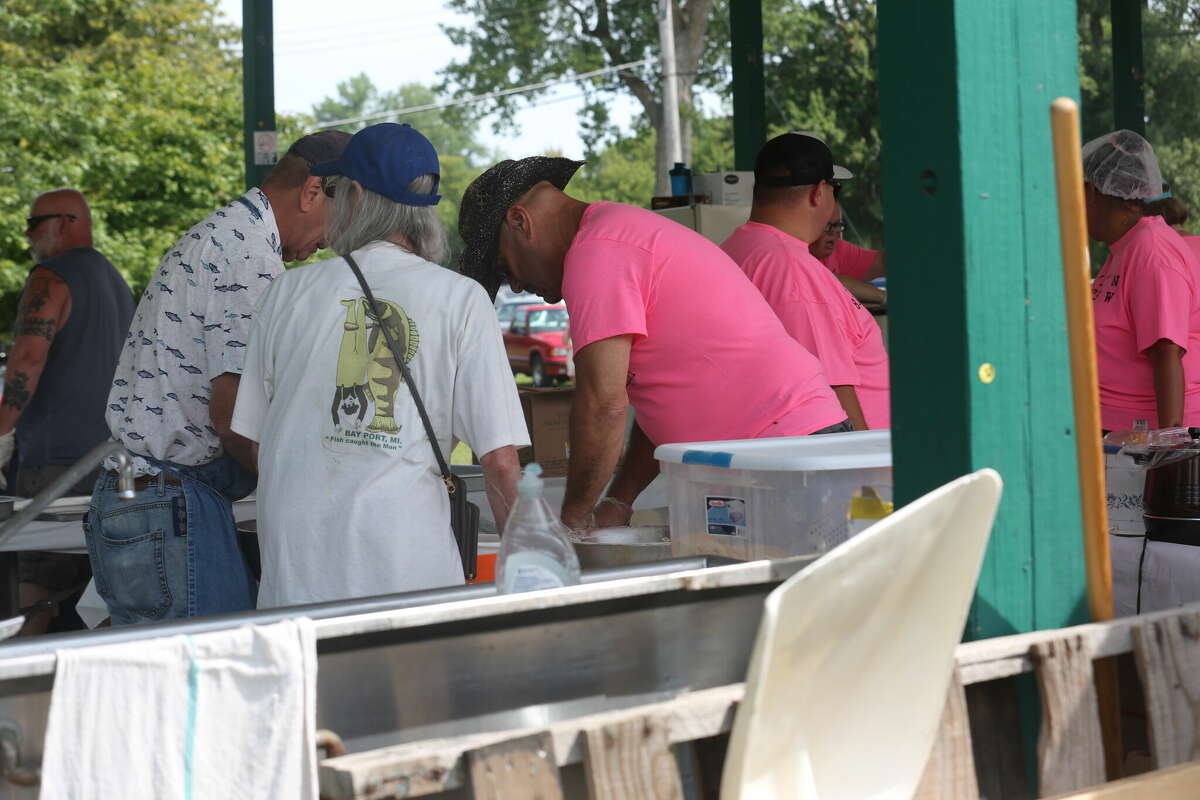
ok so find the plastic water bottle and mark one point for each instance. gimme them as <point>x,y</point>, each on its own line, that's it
<point>681,179</point>
<point>535,552</point>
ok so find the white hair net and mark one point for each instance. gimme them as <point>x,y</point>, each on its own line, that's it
<point>1122,164</point>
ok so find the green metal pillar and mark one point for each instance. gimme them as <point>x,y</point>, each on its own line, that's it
<point>1129,104</point>
<point>749,99</point>
<point>980,372</point>
<point>258,89</point>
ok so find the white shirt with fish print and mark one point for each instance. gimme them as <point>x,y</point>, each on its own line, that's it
<point>192,325</point>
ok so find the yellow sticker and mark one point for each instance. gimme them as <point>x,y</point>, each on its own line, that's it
<point>987,373</point>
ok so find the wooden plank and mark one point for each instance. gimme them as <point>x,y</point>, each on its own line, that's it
<point>437,765</point>
<point>1003,657</point>
<point>950,772</point>
<point>515,769</point>
<point>1168,658</point>
<point>631,760</point>
<point>1174,783</point>
<point>1070,747</point>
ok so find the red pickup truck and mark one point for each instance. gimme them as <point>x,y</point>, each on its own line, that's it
<point>538,343</point>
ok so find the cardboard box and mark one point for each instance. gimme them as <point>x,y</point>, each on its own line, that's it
<point>725,188</point>
<point>548,416</point>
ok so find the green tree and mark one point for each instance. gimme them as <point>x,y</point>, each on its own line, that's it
<point>137,103</point>
<point>512,43</point>
<point>461,156</point>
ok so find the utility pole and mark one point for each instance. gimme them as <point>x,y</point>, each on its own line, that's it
<point>670,105</point>
<point>258,90</point>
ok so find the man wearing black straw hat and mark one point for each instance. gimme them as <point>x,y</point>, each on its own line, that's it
<point>661,319</point>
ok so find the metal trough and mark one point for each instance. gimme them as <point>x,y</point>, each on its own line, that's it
<point>440,663</point>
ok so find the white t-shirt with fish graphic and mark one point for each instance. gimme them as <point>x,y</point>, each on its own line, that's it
<point>192,325</point>
<point>350,501</point>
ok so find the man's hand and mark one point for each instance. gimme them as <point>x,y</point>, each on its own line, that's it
<point>597,425</point>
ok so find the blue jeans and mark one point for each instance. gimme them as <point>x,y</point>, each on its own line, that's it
<point>172,551</point>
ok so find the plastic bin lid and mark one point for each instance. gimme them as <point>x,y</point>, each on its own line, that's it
<point>854,450</point>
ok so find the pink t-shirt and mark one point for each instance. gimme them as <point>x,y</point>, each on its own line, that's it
<point>818,312</point>
<point>1146,291</point>
<point>850,259</point>
<point>709,360</point>
<point>1193,243</point>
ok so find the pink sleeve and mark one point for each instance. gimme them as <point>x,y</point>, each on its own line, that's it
<point>606,286</point>
<point>1159,299</point>
<point>850,259</point>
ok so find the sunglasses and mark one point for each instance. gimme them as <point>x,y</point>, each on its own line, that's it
<point>836,185</point>
<point>835,227</point>
<point>327,187</point>
<point>31,223</point>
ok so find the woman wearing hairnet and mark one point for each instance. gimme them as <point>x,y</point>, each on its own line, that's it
<point>1146,298</point>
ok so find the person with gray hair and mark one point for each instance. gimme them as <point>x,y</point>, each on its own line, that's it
<point>1146,299</point>
<point>350,498</point>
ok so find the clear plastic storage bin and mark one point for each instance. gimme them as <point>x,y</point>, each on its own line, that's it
<point>771,498</point>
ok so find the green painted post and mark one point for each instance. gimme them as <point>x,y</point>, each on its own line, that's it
<point>980,373</point>
<point>258,89</point>
<point>1129,105</point>
<point>749,98</point>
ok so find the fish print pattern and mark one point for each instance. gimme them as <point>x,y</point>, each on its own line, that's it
<point>218,270</point>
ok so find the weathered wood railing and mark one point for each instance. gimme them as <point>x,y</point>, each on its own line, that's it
<point>627,754</point>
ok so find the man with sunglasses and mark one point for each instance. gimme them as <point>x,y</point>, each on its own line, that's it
<point>795,196</point>
<point>661,320</point>
<point>71,321</point>
<point>852,264</point>
<point>173,551</point>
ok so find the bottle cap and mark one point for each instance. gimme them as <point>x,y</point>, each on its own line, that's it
<point>531,480</point>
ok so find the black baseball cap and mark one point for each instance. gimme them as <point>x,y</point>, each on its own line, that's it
<point>488,199</point>
<point>807,159</point>
<point>320,146</point>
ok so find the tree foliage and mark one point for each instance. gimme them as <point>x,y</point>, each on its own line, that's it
<point>513,43</point>
<point>137,103</point>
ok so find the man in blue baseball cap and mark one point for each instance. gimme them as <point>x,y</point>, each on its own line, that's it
<point>351,502</point>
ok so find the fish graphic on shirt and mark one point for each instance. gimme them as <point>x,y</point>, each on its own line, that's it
<point>172,316</point>
<point>190,369</point>
<point>141,373</point>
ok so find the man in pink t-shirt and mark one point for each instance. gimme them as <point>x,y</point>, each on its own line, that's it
<point>794,188</point>
<point>853,265</point>
<point>661,319</point>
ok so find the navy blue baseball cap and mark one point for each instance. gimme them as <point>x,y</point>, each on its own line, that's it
<point>386,158</point>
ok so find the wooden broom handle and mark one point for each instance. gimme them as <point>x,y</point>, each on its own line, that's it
<point>1081,335</point>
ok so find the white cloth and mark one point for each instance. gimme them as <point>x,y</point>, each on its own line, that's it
<point>1170,575</point>
<point>350,502</point>
<point>192,325</point>
<point>217,715</point>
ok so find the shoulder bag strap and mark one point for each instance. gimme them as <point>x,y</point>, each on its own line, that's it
<point>398,355</point>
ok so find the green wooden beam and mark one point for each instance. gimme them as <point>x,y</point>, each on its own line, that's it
<point>749,98</point>
<point>258,89</point>
<point>980,373</point>
<point>1129,104</point>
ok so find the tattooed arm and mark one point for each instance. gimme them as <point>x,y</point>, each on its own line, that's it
<point>43,310</point>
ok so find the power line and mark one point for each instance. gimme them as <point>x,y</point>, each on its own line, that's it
<point>529,87</point>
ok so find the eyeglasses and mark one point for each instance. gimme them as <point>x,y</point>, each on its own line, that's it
<point>835,227</point>
<point>31,223</point>
<point>327,187</point>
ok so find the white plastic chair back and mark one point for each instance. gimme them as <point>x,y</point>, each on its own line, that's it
<point>854,655</point>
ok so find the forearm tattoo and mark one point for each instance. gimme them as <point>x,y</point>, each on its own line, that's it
<point>16,391</point>
<point>44,327</point>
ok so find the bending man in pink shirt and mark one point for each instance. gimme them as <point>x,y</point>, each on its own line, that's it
<point>1146,299</point>
<point>661,319</point>
<point>795,185</point>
